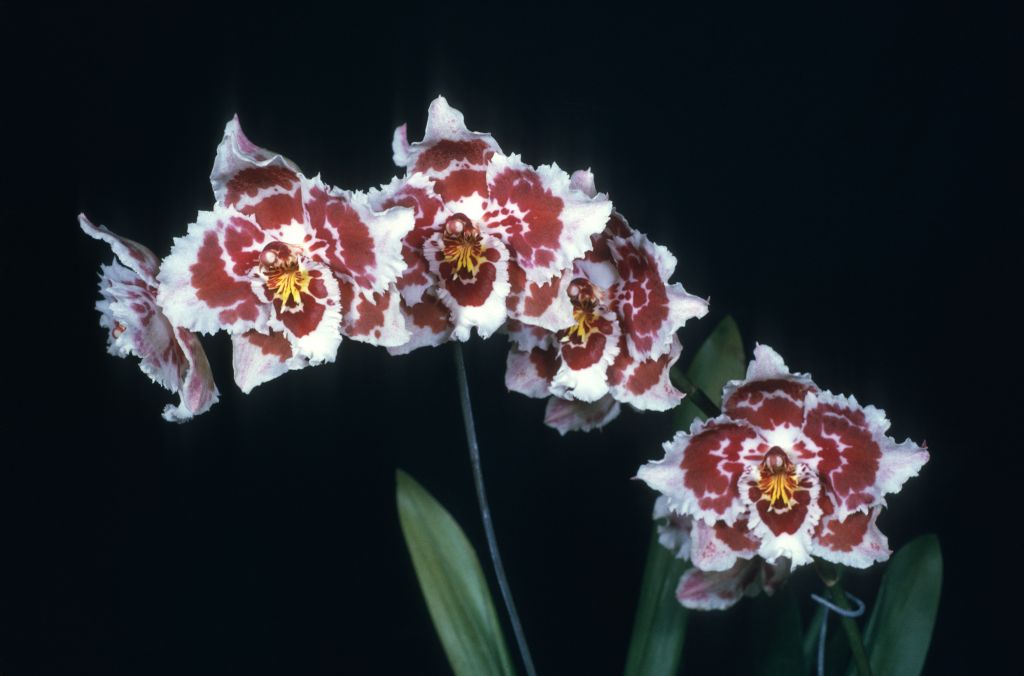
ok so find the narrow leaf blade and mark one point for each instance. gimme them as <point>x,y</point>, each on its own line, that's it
<point>452,583</point>
<point>900,629</point>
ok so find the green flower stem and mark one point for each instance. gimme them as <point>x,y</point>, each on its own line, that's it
<point>694,394</point>
<point>485,512</point>
<point>830,574</point>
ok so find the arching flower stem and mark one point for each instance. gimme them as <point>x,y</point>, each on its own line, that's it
<point>485,512</point>
<point>830,575</point>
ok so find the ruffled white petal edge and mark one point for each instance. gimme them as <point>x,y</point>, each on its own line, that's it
<point>662,394</point>
<point>198,391</point>
<point>591,383</point>
<point>254,365</point>
<point>718,590</point>
<point>136,257</point>
<point>443,123</point>
<point>321,344</point>
<point>522,375</point>
<point>710,552</point>
<point>487,317</point>
<point>794,546</point>
<point>872,548</point>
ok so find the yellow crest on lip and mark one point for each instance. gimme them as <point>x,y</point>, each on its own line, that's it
<point>289,285</point>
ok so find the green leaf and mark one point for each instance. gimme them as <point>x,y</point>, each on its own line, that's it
<point>776,642</point>
<point>900,628</point>
<point>660,625</point>
<point>719,360</point>
<point>452,583</point>
<point>659,628</point>
<point>837,650</point>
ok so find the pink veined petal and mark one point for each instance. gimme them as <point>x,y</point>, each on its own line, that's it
<point>313,325</point>
<point>544,220</point>
<point>770,396</point>
<point>198,391</point>
<point>583,374</point>
<point>783,531</point>
<point>136,257</point>
<point>475,300</point>
<point>448,145</point>
<point>543,305</point>
<point>428,323</point>
<point>171,356</point>
<point>673,529</point>
<point>701,469</point>
<point>258,358</point>
<point>529,372</point>
<point>360,245</point>
<point>854,541</point>
<point>206,283</point>
<point>718,590</point>
<point>717,547</point>
<point>859,464</point>
<point>527,337</point>
<point>237,155</point>
<point>645,384</point>
<point>414,192</point>
<point>572,416</point>
<point>651,309</point>
<point>378,320</point>
<point>583,180</point>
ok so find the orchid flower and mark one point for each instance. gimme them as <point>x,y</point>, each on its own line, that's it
<point>491,231</point>
<point>136,325</point>
<point>621,341</point>
<point>788,471</point>
<point>286,264</point>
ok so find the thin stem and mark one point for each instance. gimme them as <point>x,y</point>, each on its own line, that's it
<point>830,576</point>
<point>696,395</point>
<point>485,512</point>
<point>853,637</point>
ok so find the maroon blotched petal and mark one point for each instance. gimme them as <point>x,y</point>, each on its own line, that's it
<point>529,372</point>
<point>546,306</point>
<point>572,416</point>
<point>428,323</point>
<point>854,541</point>
<point>449,152</point>
<point>377,320</point>
<point>645,384</point>
<point>257,358</point>
<point>718,546</point>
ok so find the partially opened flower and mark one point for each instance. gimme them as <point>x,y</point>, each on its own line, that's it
<point>286,264</point>
<point>714,590</point>
<point>169,354</point>
<point>621,340</point>
<point>788,471</point>
<point>489,229</point>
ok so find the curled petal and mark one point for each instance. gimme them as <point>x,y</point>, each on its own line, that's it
<point>136,257</point>
<point>544,220</point>
<point>571,416</point>
<point>360,245</point>
<point>700,472</point>
<point>475,299</point>
<point>783,531</point>
<point>171,356</point>
<point>770,396</point>
<point>257,358</point>
<point>858,463</point>
<point>529,372</point>
<point>854,541</point>
<point>718,590</point>
<point>583,373</point>
<point>428,323</point>
<point>718,546</point>
<point>645,384</point>
<point>651,309</point>
<point>254,180</point>
<point>377,320</point>
<point>543,305</point>
<point>206,283</point>
<point>448,145</point>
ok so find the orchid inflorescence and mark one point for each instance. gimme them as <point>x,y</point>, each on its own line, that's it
<point>470,238</point>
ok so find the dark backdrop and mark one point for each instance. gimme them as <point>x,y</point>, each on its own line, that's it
<point>833,180</point>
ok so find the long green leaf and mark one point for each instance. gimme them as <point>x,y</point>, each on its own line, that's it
<point>656,646</point>
<point>900,629</point>
<point>452,583</point>
<point>776,642</point>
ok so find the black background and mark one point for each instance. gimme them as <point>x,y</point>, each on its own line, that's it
<point>834,179</point>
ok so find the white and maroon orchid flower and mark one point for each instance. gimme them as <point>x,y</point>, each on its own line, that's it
<point>286,264</point>
<point>621,340</point>
<point>169,354</point>
<point>490,232</point>
<point>787,471</point>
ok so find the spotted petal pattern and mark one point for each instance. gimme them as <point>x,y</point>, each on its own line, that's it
<point>800,472</point>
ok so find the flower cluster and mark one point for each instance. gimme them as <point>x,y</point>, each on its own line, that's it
<point>468,238</point>
<point>788,472</point>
